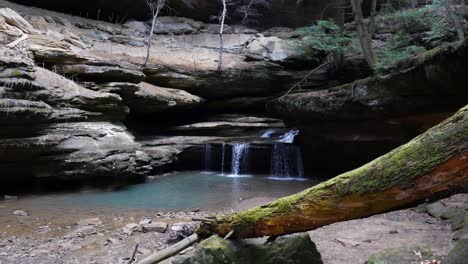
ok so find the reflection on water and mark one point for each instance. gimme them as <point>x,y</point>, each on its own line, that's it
<point>177,191</point>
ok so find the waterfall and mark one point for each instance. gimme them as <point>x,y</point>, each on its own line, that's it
<point>208,160</point>
<point>286,161</point>
<point>240,153</point>
<point>286,158</point>
<point>289,136</point>
<point>223,156</point>
<point>299,164</point>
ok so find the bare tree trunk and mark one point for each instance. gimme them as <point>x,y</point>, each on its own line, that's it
<point>363,34</point>
<point>423,168</point>
<point>149,40</point>
<point>372,17</point>
<point>221,31</point>
<point>456,23</point>
<point>155,7</point>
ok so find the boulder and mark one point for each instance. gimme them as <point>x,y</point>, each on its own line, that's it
<point>278,50</point>
<point>293,249</point>
<point>159,227</point>
<point>459,253</point>
<point>153,99</point>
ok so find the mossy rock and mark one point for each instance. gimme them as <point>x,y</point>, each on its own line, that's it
<point>459,254</point>
<point>214,250</point>
<point>292,249</point>
<point>295,249</point>
<point>437,209</point>
<point>461,233</point>
<point>401,255</point>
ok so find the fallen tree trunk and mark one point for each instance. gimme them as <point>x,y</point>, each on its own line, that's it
<point>170,251</point>
<point>430,163</point>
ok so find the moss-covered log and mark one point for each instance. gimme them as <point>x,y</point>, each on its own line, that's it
<point>429,164</point>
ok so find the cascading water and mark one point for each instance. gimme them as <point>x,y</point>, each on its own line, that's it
<point>286,158</point>
<point>240,153</point>
<point>286,161</point>
<point>208,158</point>
<point>289,136</point>
<point>223,157</point>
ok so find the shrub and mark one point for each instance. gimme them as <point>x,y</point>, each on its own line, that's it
<point>400,47</point>
<point>327,37</point>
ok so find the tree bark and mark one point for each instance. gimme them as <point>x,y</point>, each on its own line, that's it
<point>148,48</point>
<point>363,34</point>
<point>221,31</point>
<point>427,165</point>
<point>456,23</point>
<point>373,12</point>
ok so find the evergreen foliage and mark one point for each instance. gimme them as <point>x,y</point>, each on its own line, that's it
<point>327,37</point>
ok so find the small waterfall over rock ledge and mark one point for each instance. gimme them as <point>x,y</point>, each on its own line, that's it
<point>240,156</point>
<point>274,154</point>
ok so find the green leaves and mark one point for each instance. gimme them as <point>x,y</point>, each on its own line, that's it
<point>327,37</point>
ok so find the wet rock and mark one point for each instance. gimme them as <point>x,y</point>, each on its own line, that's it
<point>159,227</point>
<point>295,249</point>
<point>20,213</point>
<point>402,255</point>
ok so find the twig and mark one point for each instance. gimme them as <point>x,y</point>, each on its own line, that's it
<point>229,235</point>
<point>307,76</point>
<point>132,257</point>
<point>170,251</point>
